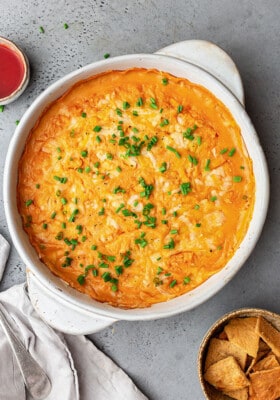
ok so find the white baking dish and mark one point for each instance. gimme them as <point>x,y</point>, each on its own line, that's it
<point>69,299</point>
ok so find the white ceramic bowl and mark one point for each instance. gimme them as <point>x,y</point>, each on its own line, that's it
<point>208,288</point>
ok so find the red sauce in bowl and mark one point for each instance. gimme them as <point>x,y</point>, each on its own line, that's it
<point>11,71</point>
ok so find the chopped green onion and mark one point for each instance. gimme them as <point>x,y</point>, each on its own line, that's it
<point>126,105</point>
<point>94,272</point>
<point>87,169</point>
<point>17,121</point>
<point>119,269</point>
<point>106,276</point>
<point>223,151</point>
<point>164,221</point>
<point>197,207</point>
<point>193,160</point>
<point>169,245</point>
<point>141,241</point>
<point>186,280</point>
<point>175,214</point>
<point>119,112</point>
<point>173,151</point>
<point>173,283</point>
<point>79,228</point>
<point>164,81</point>
<point>185,188</point>
<point>45,226</point>
<point>213,198</point>
<point>63,225</point>
<point>102,211</point>
<point>198,225</point>
<point>81,279</point>
<point>28,203</point>
<point>199,140</point>
<point>53,215</point>
<point>139,102</point>
<point>106,55</point>
<point>61,180</point>
<point>63,201</point>
<point>2,108</point>
<point>237,178</point>
<point>207,165</point>
<point>93,247</point>
<point>135,113</point>
<point>84,115</point>
<point>41,29</point>
<point>97,164</point>
<point>103,265</point>
<point>232,151</point>
<point>179,108</point>
<point>97,128</point>
<point>174,231</point>
<point>80,170</point>
<point>120,207</point>
<point>109,156</point>
<point>164,122</point>
<point>98,139</point>
<point>163,211</point>
<point>84,153</point>
<point>152,143</point>
<point>163,167</point>
<point>66,26</point>
<point>135,204</point>
<point>73,215</point>
<point>153,103</point>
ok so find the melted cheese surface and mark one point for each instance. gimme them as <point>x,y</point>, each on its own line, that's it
<point>135,187</point>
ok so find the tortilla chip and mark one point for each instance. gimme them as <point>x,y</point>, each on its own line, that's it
<point>241,394</point>
<point>219,349</point>
<point>222,335</point>
<point>226,375</point>
<point>265,385</point>
<point>241,332</point>
<point>263,347</point>
<point>269,335</point>
<point>268,362</point>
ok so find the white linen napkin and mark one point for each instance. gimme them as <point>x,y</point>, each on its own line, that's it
<point>76,368</point>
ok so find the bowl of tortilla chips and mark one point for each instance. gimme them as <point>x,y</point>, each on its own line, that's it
<point>239,357</point>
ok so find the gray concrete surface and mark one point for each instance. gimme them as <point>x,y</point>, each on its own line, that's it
<point>161,355</point>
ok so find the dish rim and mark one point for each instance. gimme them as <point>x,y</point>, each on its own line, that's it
<point>186,301</point>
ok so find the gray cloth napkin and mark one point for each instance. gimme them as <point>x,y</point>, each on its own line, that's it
<point>75,367</point>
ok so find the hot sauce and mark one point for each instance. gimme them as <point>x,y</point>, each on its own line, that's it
<point>11,71</point>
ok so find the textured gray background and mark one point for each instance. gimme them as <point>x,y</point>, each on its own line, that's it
<point>160,355</point>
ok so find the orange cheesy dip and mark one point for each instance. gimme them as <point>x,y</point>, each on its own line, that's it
<point>135,187</point>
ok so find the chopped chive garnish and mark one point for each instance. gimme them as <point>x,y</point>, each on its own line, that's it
<point>207,165</point>
<point>198,225</point>
<point>102,211</point>
<point>186,280</point>
<point>103,265</point>
<point>219,247</point>
<point>98,139</point>
<point>106,55</point>
<point>97,164</point>
<point>58,149</point>
<point>45,226</point>
<point>199,140</point>
<point>223,151</point>
<point>41,29</point>
<point>94,272</point>
<point>17,121</point>
<point>135,113</point>
<point>87,169</point>
<point>81,279</point>
<point>118,169</point>
<point>192,159</point>
<point>63,201</point>
<point>37,185</point>
<point>109,156</point>
<point>66,26</point>
<point>80,170</point>
<point>97,128</point>
<point>84,238</point>
<point>173,151</point>
<point>164,81</point>
<point>63,225</point>
<point>111,258</point>
<point>106,276</point>
<point>164,122</point>
<point>173,283</point>
<point>79,229</point>
<point>2,108</point>
<point>120,207</point>
<point>185,188</point>
<point>179,108</point>
<point>139,102</point>
<point>231,152</point>
<point>73,215</point>
<point>28,202</point>
<point>93,247</point>
<point>126,105</point>
<point>164,221</point>
<point>61,180</point>
<point>213,198</point>
<point>84,153</point>
<point>153,103</point>
<point>237,178</point>
<point>169,245</point>
<point>119,269</point>
<point>175,214</point>
<point>119,112</point>
<point>242,167</point>
<point>118,189</point>
<point>197,207</point>
<point>84,115</point>
<point>174,231</point>
<point>168,274</point>
<point>53,215</point>
<point>114,288</point>
<point>135,204</point>
<point>59,236</point>
<point>163,211</point>
<point>163,167</point>
<point>152,143</point>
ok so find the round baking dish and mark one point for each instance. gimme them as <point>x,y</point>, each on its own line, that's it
<point>208,288</point>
